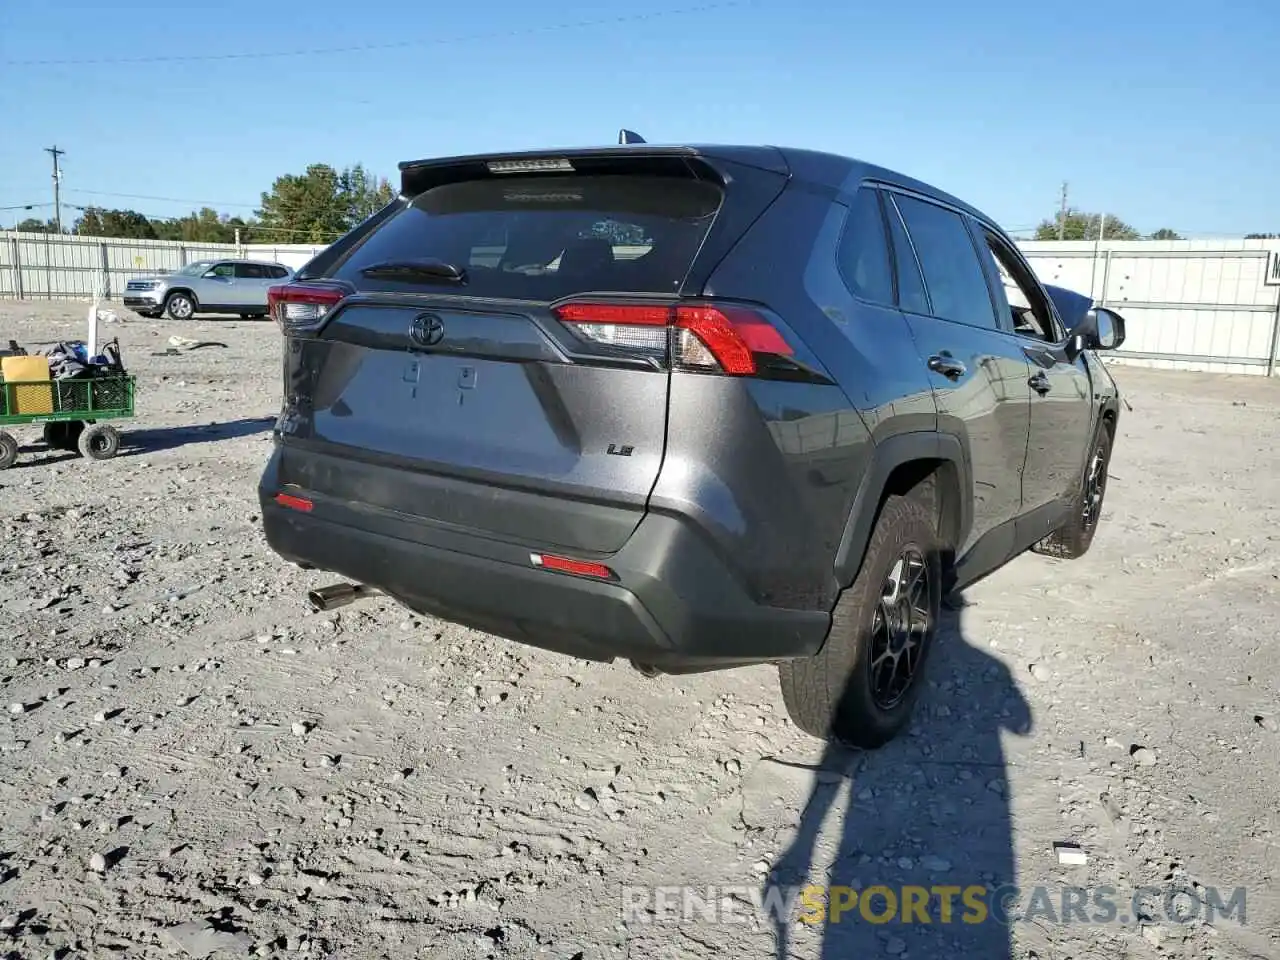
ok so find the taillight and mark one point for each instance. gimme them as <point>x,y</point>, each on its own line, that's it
<point>300,307</point>
<point>713,337</point>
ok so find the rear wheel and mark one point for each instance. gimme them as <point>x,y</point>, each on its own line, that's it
<point>8,450</point>
<point>1075,536</point>
<point>861,687</point>
<point>100,442</point>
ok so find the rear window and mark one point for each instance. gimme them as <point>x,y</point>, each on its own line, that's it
<point>543,238</point>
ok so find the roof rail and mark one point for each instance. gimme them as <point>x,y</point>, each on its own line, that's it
<point>626,136</point>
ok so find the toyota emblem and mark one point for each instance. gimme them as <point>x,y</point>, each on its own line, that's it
<point>426,330</point>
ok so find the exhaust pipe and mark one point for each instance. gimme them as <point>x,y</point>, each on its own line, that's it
<point>339,595</point>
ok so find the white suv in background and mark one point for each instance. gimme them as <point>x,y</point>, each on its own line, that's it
<point>207,286</point>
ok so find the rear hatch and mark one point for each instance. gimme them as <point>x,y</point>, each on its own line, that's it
<point>439,364</point>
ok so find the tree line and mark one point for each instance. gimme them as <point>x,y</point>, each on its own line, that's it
<point>322,203</point>
<point>316,206</point>
<point>1078,225</point>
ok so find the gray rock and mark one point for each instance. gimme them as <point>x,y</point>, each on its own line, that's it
<point>895,946</point>
<point>586,800</point>
<point>197,938</point>
<point>935,863</point>
<point>98,863</point>
<point>1142,756</point>
<point>1040,672</point>
<point>17,709</point>
<point>1267,723</point>
<point>75,663</point>
<point>300,729</point>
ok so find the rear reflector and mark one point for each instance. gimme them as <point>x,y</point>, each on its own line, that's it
<point>580,568</point>
<point>294,503</point>
<point>302,306</point>
<point>713,337</point>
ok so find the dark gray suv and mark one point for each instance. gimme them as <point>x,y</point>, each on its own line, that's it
<point>695,407</point>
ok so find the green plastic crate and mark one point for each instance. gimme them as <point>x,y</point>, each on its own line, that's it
<point>94,398</point>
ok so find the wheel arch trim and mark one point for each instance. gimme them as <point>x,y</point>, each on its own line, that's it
<point>888,456</point>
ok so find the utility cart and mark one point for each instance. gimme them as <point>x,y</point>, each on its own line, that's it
<point>72,411</point>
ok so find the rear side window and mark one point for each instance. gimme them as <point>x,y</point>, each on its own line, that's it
<point>864,254</point>
<point>250,271</point>
<point>911,293</point>
<point>543,238</point>
<point>279,273</point>
<point>952,272</point>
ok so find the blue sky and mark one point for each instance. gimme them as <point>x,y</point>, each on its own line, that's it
<point>1166,114</point>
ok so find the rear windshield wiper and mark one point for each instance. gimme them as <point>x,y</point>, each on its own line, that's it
<point>429,270</point>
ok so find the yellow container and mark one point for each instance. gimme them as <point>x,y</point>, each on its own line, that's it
<point>30,397</point>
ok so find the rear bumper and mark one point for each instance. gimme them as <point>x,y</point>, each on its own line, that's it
<point>675,605</point>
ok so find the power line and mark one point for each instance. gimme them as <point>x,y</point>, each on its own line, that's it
<point>143,196</point>
<point>375,47</point>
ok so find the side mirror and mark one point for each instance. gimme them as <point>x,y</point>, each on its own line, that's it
<point>1108,331</point>
<point>1100,329</point>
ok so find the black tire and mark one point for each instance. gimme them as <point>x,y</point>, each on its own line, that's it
<point>100,442</point>
<point>55,435</point>
<point>8,450</point>
<point>180,305</point>
<point>63,434</point>
<point>1073,539</point>
<point>834,694</point>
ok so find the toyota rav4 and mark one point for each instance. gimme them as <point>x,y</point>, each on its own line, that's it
<point>695,407</point>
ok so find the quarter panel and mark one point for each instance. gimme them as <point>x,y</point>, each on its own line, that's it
<point>766,470</point>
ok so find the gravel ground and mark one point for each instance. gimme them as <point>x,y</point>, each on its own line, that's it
<point>192,762</point>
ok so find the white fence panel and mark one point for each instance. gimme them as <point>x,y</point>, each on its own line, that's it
<point>1193,304</point>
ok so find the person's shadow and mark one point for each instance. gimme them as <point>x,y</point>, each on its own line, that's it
<point>925,820</point>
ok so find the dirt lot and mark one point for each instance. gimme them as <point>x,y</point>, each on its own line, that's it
<point>190,760</point>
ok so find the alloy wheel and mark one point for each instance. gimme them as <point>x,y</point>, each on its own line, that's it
<point>901,629</point>
<point>1095,485</point>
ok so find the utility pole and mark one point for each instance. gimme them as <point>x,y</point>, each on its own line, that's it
<point>1062,217</point>
<point>57,185</point>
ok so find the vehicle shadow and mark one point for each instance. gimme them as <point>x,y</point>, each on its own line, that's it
<point>924,820</point>
<point>136,442</point>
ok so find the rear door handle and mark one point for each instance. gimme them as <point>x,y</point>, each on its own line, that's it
<point>949,367</point>
<point>1040,384</point>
